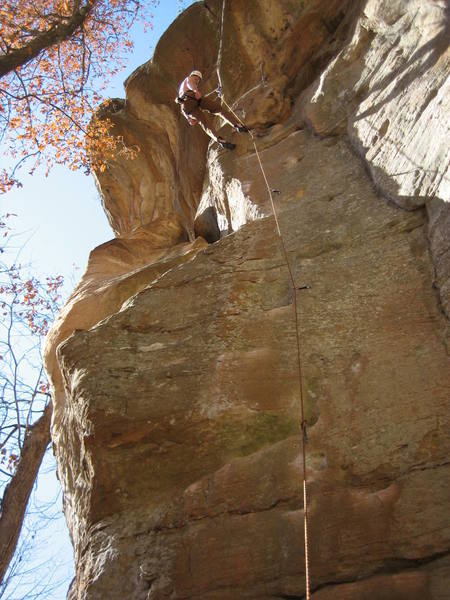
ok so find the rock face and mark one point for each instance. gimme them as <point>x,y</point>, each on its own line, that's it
<point>177,422</point>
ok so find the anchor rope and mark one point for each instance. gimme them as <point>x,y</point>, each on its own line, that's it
<point>295,306</point>
<point>219,53</point>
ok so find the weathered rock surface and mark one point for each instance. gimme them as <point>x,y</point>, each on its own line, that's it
<point>115,272</point>
<point>389,89</point>
<point>177,431</point>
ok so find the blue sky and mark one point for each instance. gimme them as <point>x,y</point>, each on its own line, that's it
<point>61,219</point>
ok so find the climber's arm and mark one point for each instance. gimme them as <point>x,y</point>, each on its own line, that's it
<point>192,85</point>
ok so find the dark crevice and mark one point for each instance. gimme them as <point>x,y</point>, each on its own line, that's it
<point>232,512</point>
<point>340,29</point>
<point>390,566</point>
<point>208,8</point>
<point>374,481</point>
<point>296,503</point>
<point>435,259</point>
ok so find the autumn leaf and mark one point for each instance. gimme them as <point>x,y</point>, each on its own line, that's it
<point>48,97</point>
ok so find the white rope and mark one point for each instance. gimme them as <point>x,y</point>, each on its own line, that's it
<point>294,289</point>
<point>219,55</point>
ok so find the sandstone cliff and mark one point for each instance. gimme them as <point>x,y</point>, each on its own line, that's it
<point>176,410</point>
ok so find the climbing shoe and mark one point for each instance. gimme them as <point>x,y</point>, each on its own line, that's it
<point>241,128</point>
<point>225,144</point>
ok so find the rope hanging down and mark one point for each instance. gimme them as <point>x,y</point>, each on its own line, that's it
<point>219,53</point>
<point>294,290</point>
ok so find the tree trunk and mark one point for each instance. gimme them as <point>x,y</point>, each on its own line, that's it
<point>18,490</point>
<point>18,57</point>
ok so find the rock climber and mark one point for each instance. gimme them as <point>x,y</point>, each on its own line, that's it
<point>194,105</point>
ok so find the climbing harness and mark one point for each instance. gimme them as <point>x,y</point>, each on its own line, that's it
<point>187,96</point>
<point>294,290</point>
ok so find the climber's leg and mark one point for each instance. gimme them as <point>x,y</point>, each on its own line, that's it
<point>192,111</point>
<point>214,105</point>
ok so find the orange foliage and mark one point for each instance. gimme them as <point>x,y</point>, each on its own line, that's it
<point>67,50</point>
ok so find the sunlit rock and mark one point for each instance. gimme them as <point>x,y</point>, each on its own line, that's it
<point>177,421</point>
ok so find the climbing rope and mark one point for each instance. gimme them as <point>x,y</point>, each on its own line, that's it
<point>294,290</point>
<point>219,53</point>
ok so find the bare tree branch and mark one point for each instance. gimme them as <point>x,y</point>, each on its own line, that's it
<point>18,490</point>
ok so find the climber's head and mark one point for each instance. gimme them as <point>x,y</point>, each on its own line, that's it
<point>196,74</point>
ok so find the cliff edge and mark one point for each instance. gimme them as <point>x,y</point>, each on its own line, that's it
<point>177,423</point>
